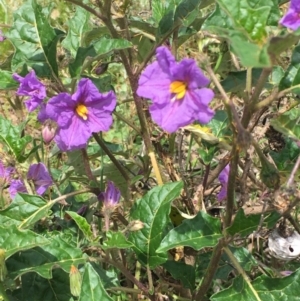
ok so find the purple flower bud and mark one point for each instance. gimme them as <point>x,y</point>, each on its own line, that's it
<point>111,196</point>
<point>48,133</point>
<point>223,178</point>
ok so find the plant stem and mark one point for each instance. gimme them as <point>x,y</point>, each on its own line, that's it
<point>112,157</point>
<point>210,272</point>
<point>241,272</point>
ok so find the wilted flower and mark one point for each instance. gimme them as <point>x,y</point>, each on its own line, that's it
<point>15,187</point>
<point>135,225</point>
<point>177,91</point>
<point>40,177</point>
<point>292,18</point>
<point>75,281</point>
<point>79,115</point>
<point>223,178</point>
<point>48,133</point>
<point>5,175</point>
<point>31,86</point>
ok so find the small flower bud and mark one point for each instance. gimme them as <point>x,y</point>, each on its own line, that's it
<point>48,133</point>
<point>3,269</point>
<point>135,225</point>
<point>75,281</point>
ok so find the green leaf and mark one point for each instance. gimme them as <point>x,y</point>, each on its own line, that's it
<point>288,124</point>
<point>243,256</point>
<point>200,232</point>
<point>116,240</point>
<point>267,289</point>
<point>235,82</point>
<point>59,252</point>
<point>292,74</point>
<point>38,214</point>
<point>82,225</point>
<point>11,136</point>
<point>6,80</point>
<point>181,271</point>
<point>14,240</point>
<point>33,38</point>
<point>244,25</point>
<point>153,210</point>
<point>22,208</point>
<point>77,26</point>
<point>100,48</point>
<point>92,287</point>
<point>36,288</point>
<point>244,225</point>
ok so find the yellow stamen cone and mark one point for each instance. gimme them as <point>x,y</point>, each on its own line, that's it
<point>179,88</point>
<point>82,111</point>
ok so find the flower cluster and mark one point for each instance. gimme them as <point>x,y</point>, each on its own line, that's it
<point>177,91</point>
<point>292,18</point>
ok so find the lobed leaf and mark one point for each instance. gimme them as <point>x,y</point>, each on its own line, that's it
<point>14,240</point>
<point>153,210</point>
<point>77,26</point>
<point>59,252</point>
<point>200,232</point>
<point>33,38</point>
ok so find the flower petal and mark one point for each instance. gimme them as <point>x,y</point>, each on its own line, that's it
<point>61,108</point>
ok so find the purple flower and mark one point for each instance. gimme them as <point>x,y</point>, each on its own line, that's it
<point>15,187</point>
<point>2,36</point>
<point>5,175</point>
<point>81,114</point>
<point>292,17</point>
<point>111,196</point>
<point>177,91</point>
<point>40,177</point>
<point>31,86</point>
<point>223,178</point>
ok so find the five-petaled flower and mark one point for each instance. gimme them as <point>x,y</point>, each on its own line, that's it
<point>79,115</point>
<point>32,87</point>
<point>292,18</point>
<point>177,91</point>
<point>223,178</point>
<point>40,177</point>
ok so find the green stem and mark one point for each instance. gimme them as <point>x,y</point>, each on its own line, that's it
<point>112,157</point>
<point>127,122</point>
<point>241,271</point>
